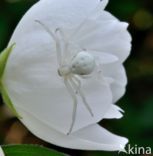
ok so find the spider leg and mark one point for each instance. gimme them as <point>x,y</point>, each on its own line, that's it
<point>59,48</point>
<point>65,45</point>
<point>78,87</point>
<point>61,44</point>
<point>78,84</point>
<point>72,93</point>
<point>46,29</point>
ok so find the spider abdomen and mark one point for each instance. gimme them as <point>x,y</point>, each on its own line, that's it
<point>83,63</point>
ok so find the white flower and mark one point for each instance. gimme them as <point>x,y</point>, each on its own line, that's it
<point>65,72</point>
<point>1,152</point>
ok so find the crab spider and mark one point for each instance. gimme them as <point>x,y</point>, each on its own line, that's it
<point>71,68</point>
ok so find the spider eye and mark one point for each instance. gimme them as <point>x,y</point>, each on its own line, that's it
<point>83,63</point>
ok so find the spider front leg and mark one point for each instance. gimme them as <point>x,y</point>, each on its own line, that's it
<point>77,88</point>
<point>73,95</point>
<point>56,36</point>
<point>77,84</point>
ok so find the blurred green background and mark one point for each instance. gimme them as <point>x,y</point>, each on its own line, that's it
<point>137,123</point>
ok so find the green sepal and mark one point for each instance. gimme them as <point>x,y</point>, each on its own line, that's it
<point>8,101</point>
<point>4,55</point>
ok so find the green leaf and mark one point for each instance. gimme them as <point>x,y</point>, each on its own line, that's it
<point>29,150</point>
<point>3,61</point>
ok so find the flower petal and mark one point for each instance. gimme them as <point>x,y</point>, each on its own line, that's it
<point>104,3</point>
<point>35,85</point>
<point>55,14</point>
<point>117,72</point>
<point>114,112</point>
<point>105,35</point>
<point>38,88</point>
<point>92,137</point>
<point>104,139</point>
<point>1,152</point>
<point>38,92</point>
<point>104,58</point>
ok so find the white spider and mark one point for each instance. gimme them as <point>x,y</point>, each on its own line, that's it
<point>71,68</point>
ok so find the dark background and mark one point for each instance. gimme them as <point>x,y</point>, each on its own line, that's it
<point>137,123</point>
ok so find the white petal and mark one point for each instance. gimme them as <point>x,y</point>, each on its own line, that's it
<point>104,4</point>
<point>106,36</point>
<point>96,13</point>
<point>38,92</point>
<point>35,86</point>
<point>114,112</point>
<point>118,91</point>
<point>92,137</point>
<point>55,14</point>
<point>104,58</point>
<point>104,139</point>
<point>1,152</point>
<point>117,72</point>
